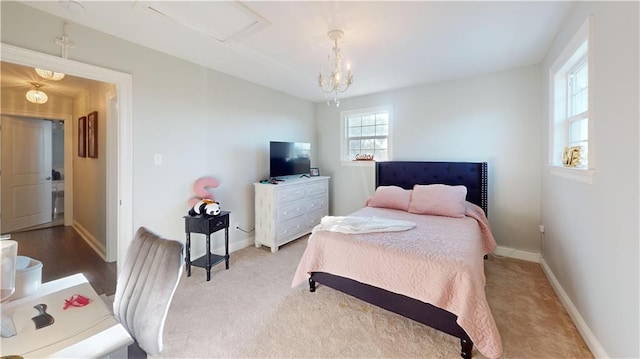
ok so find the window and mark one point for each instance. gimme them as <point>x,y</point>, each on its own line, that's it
<point>569,103</point>
<point>577,117</point>
<point>366,134</point>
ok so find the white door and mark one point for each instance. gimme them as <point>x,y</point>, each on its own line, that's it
<point>26,173</point>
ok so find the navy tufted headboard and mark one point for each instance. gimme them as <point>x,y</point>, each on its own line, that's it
<point>406,174</point>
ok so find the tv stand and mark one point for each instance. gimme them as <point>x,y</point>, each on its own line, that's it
<point>289,210</point>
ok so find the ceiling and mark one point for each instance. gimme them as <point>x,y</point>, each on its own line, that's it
<point>283,45</point>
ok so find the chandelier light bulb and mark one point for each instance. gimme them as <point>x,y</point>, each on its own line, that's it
<point>49,75</point>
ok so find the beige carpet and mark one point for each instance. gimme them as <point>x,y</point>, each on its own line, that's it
<point>251,310</point>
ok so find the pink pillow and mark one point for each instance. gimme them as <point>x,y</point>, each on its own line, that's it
<point>439,200</point>
<point>391,197</point>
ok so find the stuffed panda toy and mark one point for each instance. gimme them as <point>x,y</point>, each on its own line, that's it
<point>206,207</point>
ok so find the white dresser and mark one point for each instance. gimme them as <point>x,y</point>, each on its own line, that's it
<point>290,209</point>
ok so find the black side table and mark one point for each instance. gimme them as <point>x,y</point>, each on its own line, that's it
<point>206,225</point>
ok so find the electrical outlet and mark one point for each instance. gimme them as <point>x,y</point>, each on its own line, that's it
<point>236,226</point>
<point>541,228</point>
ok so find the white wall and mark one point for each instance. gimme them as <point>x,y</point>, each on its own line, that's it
<point>493,118</point>
<point>89,185</point>
<point>591,239</point>
<point>202,122</point>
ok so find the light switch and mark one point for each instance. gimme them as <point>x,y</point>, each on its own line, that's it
<point>157,159</point>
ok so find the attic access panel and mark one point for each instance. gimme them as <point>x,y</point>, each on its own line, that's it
<point>220,20</point>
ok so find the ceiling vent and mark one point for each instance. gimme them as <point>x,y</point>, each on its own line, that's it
<point>219,20</point>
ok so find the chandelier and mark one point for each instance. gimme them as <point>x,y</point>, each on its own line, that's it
<point>49,75</point>
<point>36,95</point>
<point>335,83</point>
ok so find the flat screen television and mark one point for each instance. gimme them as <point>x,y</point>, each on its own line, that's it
<point>289,159</point>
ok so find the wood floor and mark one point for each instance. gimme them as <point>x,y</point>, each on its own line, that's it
<point>63,252</point>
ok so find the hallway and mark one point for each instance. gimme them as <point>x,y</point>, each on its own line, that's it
<point>63,252</point>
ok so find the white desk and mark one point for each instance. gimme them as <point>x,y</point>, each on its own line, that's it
<point>78,332</point>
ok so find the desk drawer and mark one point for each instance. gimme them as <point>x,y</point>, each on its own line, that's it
<point>205,224</point>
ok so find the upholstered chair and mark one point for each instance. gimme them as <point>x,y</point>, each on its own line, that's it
<point>145,288</point>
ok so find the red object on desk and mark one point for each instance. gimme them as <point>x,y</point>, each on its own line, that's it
<point>76,300</point>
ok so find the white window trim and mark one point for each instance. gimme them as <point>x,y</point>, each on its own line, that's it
<point>343,139</point>
<point>584,175</point>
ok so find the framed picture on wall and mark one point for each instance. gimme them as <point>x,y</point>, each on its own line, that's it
<point>92,134</point>
<point>82,136</point>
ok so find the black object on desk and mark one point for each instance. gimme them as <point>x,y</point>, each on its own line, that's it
<point>206,225</point>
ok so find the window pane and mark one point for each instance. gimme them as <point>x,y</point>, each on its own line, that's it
<point>382,130</point>
<point>352,154</point>
<point>368,144</point>
<point>579,130</point>
<point>579,102</point>
<point>368,130</point>
<point>354,121</point>
<point>381,143</point>
<point>368,120</point>
<point>355,131</point>
<point>577,89</point>
<point>354,144</point>
<point>382,118</point>
<point>582,76</point>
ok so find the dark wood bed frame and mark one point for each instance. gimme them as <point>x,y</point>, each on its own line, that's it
<point>406,174</point>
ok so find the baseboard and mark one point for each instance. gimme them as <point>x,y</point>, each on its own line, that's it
<point>592,342</point>
<point>243,244</point>
<point>234,246</point>
<point>91,240</point>
<point>517,254</point>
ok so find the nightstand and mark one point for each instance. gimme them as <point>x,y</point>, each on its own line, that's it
<point>206,225</point>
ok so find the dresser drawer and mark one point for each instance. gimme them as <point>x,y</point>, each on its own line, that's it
<point>290,211</point>
<point>313,219</point>
<point>290,194</point>
<point>290,228</point>
<point>317,188</point>
<point>317,203</point>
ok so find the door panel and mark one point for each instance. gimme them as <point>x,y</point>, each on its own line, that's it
<point>26,172</point>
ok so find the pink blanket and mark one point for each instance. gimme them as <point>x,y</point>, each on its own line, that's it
<point>439,262</point>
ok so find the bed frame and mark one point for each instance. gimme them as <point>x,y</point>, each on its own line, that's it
<point>406,174</point>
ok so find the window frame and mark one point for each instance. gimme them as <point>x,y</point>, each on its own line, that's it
<point>344,135</point>
<point>577,52</point>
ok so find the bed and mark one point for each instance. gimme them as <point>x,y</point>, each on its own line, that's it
<point>324,260</point>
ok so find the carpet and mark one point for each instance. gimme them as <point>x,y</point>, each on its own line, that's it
<point>251,311</point>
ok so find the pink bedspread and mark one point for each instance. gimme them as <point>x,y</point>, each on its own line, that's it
<point>439,262</point>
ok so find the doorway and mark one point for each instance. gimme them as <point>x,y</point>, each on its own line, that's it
<point>119,195</point>
<point>33,167</point>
